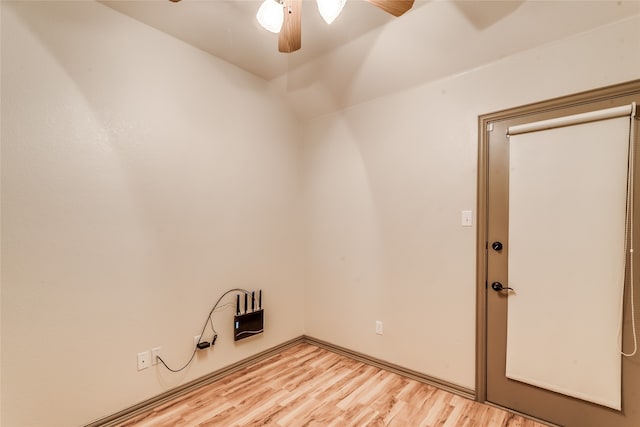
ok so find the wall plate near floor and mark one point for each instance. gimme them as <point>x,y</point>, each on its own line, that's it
<point>379,327</point>
<point>155,353</point>
<point>143,360</point>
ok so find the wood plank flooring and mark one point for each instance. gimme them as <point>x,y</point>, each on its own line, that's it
<point>309,386</point>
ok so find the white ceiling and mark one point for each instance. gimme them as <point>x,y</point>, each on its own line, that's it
<point>367,53</point>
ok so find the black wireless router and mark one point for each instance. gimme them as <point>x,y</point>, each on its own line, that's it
<point>249,323</point>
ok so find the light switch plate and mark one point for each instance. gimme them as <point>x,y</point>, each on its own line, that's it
<point>467,218</point>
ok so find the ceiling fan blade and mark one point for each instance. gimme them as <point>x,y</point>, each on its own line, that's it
<point>394,7</point>
<point>290,37</point>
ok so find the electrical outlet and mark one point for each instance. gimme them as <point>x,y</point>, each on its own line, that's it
<point>196,338</point>
<point>143,360</point>
<point>379,329</point>
<point>155,353</point>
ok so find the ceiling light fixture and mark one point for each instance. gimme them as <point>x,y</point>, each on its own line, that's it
<point>284,17</point>
<point>271,15</point>
<point>330,9</point>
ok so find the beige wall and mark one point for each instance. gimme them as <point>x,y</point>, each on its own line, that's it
<point>386,183</point>
<point>141,178</point>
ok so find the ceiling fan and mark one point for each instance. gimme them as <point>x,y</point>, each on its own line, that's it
<point>284,17</point>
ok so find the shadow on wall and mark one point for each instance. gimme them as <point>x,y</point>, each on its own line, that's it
<point>400,54</point>
<point>483,14</point>
<point>357,19</point>
<point>116,85</point>
<point>335,69</point>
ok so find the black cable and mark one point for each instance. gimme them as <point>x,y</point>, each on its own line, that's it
<point>215,334</point>
<point>212,328</point>
<point>178,370</point>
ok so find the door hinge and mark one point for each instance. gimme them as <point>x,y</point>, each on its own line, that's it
<point>489,127</point>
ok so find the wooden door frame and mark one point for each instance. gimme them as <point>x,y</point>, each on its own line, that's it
<point>484,121</point>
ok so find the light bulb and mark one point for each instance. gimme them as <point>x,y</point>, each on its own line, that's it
<point>271,15</point>
<point>330,9</point>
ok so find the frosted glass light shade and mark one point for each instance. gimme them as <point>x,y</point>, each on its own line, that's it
<point>271,15</point>
<point>330,9</point>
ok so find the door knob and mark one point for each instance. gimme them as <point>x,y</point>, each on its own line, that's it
<point>496,246</point>
<point>497,286</point>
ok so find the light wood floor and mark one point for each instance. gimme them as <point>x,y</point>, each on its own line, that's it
<point>309,386</point>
